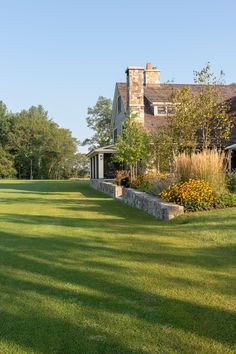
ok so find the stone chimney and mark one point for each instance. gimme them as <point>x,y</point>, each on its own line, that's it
<point>135,92</point>
<point>151,75</point>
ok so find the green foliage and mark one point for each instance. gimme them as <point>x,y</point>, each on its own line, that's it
<point>141,183</point>
<point>231,181</point>
<point>162,150</point>
<point>199,119</point>
<point>225,200</point>
<point>80,165</point>
<point>132,144</point>
<point>37,145</point>
<point>214,125</point>
<point>6,165</point>
<point>99,120</point>
<point>182,123</point>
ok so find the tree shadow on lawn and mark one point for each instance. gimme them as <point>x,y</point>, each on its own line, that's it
<point>75,260</point>
<point>36,332</point>
<point>47,186</point>
<point>123,244</point>
<point>117,296</point>
<point>112,209</point>
<point>107,206</point>
<point>127,228</point>
<point>204,321</point>
<point>124,219</point>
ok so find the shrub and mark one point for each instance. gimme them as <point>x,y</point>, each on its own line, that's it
<point>160,182</point>
<point>194,195</point>
<point>231,182</point>
<point>121,175</point>
<point>207,165</point>
<point>140,183</point>
<point>225,200</point>
<point>153,182</point>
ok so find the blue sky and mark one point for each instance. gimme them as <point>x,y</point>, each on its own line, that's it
<point>63,54</point>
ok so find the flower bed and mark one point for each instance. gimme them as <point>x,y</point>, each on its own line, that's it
<point>194,195</point>
<point>199,183</point>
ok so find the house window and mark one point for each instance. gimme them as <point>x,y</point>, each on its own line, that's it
<point>119,104</point>
<point>115,135</point>
<point>171,109</point>
<point>164,109</point>
<point>161,110</point>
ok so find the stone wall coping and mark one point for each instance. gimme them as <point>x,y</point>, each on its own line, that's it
<point>106,187</point>
<point>152,197</point>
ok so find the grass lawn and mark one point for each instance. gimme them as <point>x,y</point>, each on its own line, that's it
<point>82,273</point>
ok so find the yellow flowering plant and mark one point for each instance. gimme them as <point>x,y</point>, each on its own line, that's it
<point>193,194</point>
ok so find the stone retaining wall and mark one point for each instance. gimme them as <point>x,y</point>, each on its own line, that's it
<point>151,205</point>
<point>109,188</point>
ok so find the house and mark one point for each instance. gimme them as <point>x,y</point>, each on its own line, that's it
<point>145,95</point>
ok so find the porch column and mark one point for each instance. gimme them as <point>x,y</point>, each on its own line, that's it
<point>230,160</point>
<point>95,167</point>
<point>100,165</point>
<point>91,167</point>
<point>93,164</point>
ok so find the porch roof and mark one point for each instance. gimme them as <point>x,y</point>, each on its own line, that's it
<point>231,147</point>
<point>102,150</point>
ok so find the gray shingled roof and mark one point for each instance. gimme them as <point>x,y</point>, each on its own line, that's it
<point>232,103</point>
<point>163,92</point>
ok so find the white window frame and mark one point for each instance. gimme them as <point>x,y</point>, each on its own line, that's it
<point>162,104</point>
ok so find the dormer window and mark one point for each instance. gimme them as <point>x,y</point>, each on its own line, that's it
<point>163,109</point>
<point>119,104</point>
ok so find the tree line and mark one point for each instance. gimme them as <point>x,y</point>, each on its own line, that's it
<point>33,146</point>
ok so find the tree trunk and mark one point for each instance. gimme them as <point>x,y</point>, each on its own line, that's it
<point>131,173</point>
<point>31,169</point>
<point>158,166</point>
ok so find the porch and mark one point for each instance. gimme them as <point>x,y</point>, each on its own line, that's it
<point>101,163</point>
<point>231,157</point>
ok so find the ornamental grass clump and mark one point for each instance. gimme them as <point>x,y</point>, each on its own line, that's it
<point>153,183</point>
<point>193,195</point>
<point>207,165</point>
<point>160,182</point>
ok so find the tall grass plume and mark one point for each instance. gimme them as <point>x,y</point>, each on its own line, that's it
<point>208,165</point>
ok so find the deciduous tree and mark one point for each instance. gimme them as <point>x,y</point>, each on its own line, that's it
<point>199,119</point>
<point>99,120</point>
<point>132,144</point>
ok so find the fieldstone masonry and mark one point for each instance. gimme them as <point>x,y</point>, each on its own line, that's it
<point>135,92</point>
<point>149,204</point>
<point>109,188</point>
<point>151,75</point>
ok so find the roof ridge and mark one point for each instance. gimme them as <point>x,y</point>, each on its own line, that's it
<point>182,84</point>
